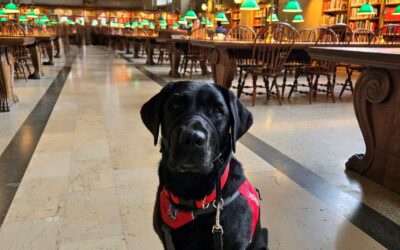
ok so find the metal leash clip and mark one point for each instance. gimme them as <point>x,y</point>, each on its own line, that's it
<point>217,228</point>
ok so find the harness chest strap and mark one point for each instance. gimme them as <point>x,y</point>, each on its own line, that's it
<point>175,218</point>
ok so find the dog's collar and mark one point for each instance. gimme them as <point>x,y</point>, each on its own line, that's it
<point>207,200</point>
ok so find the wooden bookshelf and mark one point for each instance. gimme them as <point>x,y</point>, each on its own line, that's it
<point>334,11</point>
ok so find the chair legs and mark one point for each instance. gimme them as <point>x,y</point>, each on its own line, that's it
<point>254,94</point>
<point>348,81</point>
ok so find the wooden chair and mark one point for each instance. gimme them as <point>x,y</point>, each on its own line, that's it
<point>388,34</point>
<point>317,68</point>
<point>196,54</point>
<point>268,58</point>
<point>295,61</point>
<point>241,33</point>
<point>359,36</point>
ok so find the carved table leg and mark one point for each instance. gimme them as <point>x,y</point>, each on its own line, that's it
<point>49,49</point>
<point>7,96</point>
<point>58,47</point>
<point>36,60</point>
<point>376,104</point>
<point>150,53</point>
<point>223,65</point>
<point>175,59</point>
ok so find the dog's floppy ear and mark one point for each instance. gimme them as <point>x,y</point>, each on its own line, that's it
<point>241,118</point>
<point>151,111</point>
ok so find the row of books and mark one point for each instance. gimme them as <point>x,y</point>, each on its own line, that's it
<point>339,18</point>
<point>260,13</point>
<point>361,2</point>
<point>363,24</point>
<point>335,4</point>
<point>390,16</point>
<point>392,2</point>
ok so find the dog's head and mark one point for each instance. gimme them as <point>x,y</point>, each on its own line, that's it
<point>198,121</point>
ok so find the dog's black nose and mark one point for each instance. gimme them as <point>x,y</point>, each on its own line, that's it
<point>192,138</point>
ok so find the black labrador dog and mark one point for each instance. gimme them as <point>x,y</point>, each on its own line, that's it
<point>200,124</point>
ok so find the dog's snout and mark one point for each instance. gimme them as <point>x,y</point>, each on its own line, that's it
<point>192,138</point>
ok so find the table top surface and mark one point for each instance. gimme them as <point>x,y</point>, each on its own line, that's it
<point>16,40</point>
<point>381,57</point>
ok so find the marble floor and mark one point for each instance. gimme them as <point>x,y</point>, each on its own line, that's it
<point>91,181</point>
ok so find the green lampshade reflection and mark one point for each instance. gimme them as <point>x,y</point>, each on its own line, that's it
<point>249,5</point>
<point>396,11</point>
<point>366,9</point>
<point>3,19</point>
<point>11,8</point>
<point>182,20</point>
<point>145,22</point>
<point>23,18</point>
<point>2,13</point>
<point>298,18</point>
<point>293,6</point>
<point>95,22</point>
<point>44,18</point>
<point>220,16</point>
<point>190,15</point>
<point>134,25</point>
<point>274,18</point>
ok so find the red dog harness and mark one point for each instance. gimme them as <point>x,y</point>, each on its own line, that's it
<point>175,217</point>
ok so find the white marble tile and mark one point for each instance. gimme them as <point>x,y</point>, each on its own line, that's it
<point>49,164</point>
<point>109,243</point>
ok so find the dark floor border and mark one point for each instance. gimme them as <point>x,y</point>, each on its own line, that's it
<point>371,222</point>
<point>16,157</point>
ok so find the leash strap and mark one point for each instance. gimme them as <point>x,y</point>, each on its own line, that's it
<point>217,229</point>
<point>168,237</point>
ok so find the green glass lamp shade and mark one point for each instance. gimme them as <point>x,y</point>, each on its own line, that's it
<point>23,23</point>
<point>41,22</point>
<point>44,19</point>
<point>163,23</point>
<point>11,8</point>
<point>163,27</point>
<point>54,21</point>
<point>140,26</point>
<point>249,5</point>
<point>182,20</point>
<point>210,24</point>
<point>95,22</point>
<point>134,25</point>
<point>63,19</point>
<point>36,21</point>
<point>145,22</point>
<point>366,9</point>
<point>3,19</point>
<point>225,21</point>
<point>151,26</point>
<point>31,14</point>
<point>298,18</point>
<point>128,25</point>
<point>161,18</point>
<point>23,18</point>
<point>2,13</point>
<point>190,15</point>
<point>396,11</point>
<point>220,16</point>
<point>190,25</point>
<point>293,6</point>
<point>203,20</point>
<point>274,18</point>
<point>175,25</point>
<point>70,22</point>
